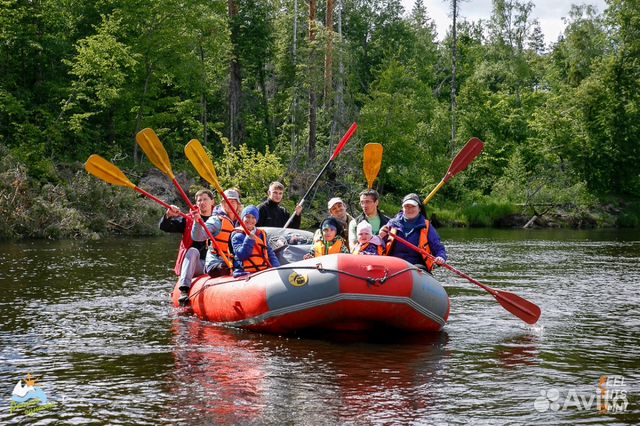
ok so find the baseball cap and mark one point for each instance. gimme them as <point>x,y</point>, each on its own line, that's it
<point>411,199</point>
<point>232,194</point>
<point>332,202</point>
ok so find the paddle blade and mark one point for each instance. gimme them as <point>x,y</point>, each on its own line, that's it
<point>344,141</point>
<point>153,148</point>
<point>470,152</point>
<point>202,163</point>
<point>106,171</point>
<point>522,308</point>
<point>372,162</point>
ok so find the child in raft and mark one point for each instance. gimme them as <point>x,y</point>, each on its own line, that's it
<point>251,251</point>
<point>368,244</point>
<point>331,241</point>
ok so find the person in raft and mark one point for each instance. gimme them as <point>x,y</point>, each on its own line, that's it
<point>272,213</point>
<point>369,201</point>
<point>191,255</point>
<point>368,244</point>
<point>221,225</point>
<point>251,251</point>
<point>338,210</point>
<point>331,241</point>
<point>412,225</point>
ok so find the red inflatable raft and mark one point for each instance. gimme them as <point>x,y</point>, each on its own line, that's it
<point>339,292</point>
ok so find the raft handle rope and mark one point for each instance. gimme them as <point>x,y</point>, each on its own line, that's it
<point>318,267</point>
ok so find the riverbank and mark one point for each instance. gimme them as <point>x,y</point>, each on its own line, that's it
<point>68,203</point>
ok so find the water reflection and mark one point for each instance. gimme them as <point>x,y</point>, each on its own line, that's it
<point>230,376</point>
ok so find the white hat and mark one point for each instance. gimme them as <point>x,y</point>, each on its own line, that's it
<point>334,201</point>
<point>232,194</point>
<point>364,226</point>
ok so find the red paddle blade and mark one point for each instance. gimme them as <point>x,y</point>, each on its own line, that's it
<point>522,308</point>
<point>344,140</point>
<point>471,150</point>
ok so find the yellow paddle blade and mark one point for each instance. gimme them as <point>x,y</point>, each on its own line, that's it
<point>107,171</point>
<point>153,148</point>
<point>198,156</point>
<point>372,162</point>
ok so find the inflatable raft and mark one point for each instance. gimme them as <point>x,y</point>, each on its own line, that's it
<point>338,292</point>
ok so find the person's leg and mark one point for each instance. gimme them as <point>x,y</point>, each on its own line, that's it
<point>192,265</point>
<point>216,267</point>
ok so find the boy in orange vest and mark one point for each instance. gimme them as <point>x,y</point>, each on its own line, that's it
<point>331,241</point>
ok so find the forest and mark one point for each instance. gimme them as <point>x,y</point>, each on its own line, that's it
<point>269,87</point>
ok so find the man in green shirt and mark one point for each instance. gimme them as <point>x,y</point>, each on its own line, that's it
<point>370,213</point>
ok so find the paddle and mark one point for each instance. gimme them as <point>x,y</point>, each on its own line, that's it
<point>153,148</point>
<point>372,161</point>
<point>336,152</point>
<point>204,166</point>
<point>108,172</point>
<point>471,150</point>
<point>522,308</point>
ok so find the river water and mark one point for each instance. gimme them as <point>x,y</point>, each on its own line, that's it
<point>93,324</point>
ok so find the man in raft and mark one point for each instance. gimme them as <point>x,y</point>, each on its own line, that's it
<point>251,251</point>
<point>221,225</point>
<point>272,213</point>
<point>191,255</point>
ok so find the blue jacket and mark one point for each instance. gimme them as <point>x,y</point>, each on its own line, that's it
<point>410,231</point>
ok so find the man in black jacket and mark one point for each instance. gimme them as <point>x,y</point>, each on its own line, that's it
<point>272,213</point>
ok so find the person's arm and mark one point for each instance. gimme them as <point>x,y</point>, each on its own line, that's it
<point>437,248</point>
<point>214,225</point>
<point>297,218</point>
<point>173,225</point>
<point>273,259</point>
<point>263,213</point>
<point>242,245</point>
<point>353,236</point>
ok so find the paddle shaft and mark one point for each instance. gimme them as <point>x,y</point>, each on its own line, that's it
<point>335,154</point>
<point>157,200</point>
<point>467,154</point>
<point>522,308</point>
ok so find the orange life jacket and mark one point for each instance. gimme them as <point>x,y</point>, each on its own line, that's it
<point>361,248</point>
<point>259,258</point>
<point>224,237</point>
<point>320,248</point>
<point>423,243</point>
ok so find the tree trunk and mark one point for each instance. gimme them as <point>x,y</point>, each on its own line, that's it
<point>235,80</point>
<point>454,65</point>
<point>136,153</point>
<point>294,55</point>
<point>339,113</point>
<point>328,58</point>
<point>313,102</point>
<point>203,100</point>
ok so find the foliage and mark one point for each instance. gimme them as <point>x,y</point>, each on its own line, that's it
<point>248,170</point>
<point>560,122</point>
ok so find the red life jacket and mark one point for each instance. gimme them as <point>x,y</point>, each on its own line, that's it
<point>423,243</point>
<point>259,258</point>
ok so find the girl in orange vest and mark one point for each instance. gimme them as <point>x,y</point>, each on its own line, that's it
<point>251,251</point>
<point>368,244</point>
<point>331,241</point>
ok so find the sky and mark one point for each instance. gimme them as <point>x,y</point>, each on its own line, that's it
<point>548,12</point>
